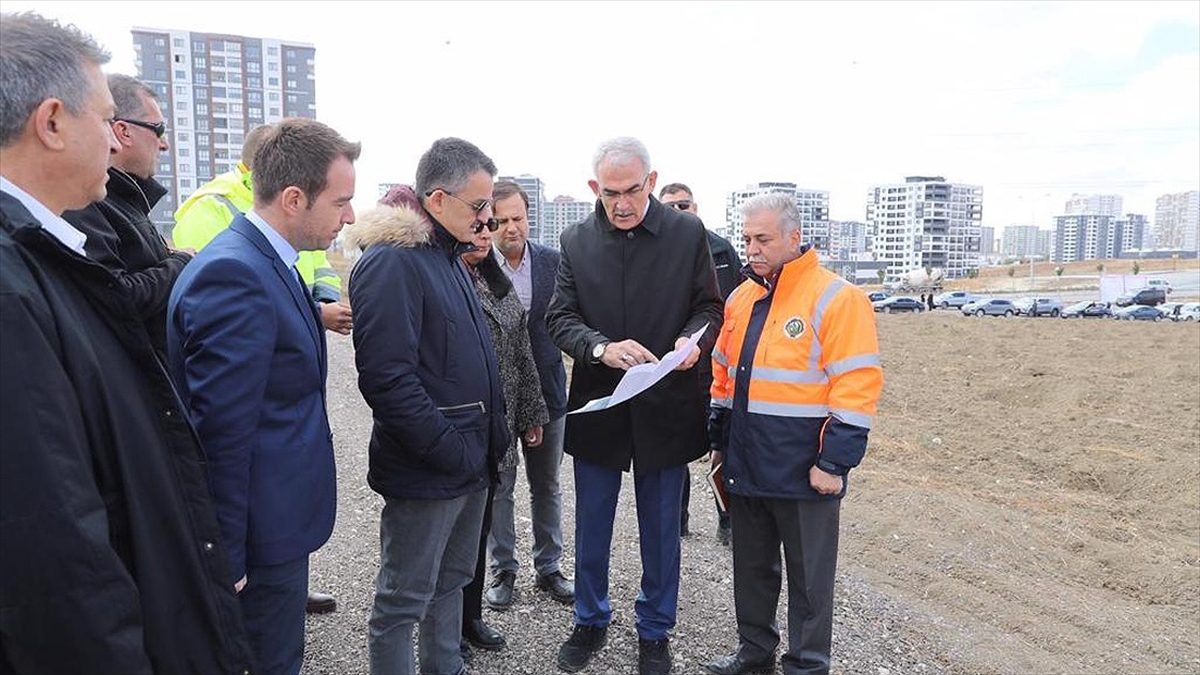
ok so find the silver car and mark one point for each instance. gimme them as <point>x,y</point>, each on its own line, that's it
<point>1038,306</point>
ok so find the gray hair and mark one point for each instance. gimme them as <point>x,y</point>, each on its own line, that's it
<point>779,203</point>
<point>448,165</point>
<point>127,94</point>
<point>41,59</point>
<point>621,151</point>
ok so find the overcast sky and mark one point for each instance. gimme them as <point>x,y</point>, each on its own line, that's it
<point>1033,101</point>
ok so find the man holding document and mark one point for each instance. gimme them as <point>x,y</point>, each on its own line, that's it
<point>635,281</point>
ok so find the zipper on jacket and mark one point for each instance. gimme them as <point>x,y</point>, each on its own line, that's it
<point>464,406</point>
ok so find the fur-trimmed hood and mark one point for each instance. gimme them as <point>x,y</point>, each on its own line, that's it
<point>398,220</point>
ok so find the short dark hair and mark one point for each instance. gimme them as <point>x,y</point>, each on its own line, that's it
<point>41,59</point>
<point>672,188</point>
<point>252,141</point>
<point>127,94</point>
<point>448,165</point>
<point>298,151</point>
<point>506,188</point>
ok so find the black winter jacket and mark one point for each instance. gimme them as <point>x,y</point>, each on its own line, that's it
<point>121,237</point>
<point>110,553</point>
<point>426,364</point>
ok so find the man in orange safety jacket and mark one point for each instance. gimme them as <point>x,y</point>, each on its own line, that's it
<point>796,379</point>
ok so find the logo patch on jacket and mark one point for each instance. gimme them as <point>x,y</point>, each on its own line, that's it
<point>794,327</point>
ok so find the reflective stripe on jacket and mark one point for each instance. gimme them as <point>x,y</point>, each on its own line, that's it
<point>796,379</point>
<point>211,208</point>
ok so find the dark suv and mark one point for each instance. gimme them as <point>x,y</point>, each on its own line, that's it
<point>1150,297</point>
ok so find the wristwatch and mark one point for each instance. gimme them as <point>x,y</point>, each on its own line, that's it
<point>598,351</point>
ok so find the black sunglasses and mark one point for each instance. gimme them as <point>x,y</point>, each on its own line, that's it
<point>491,224</point>
<point>682,204</point>
<point>159,128</point>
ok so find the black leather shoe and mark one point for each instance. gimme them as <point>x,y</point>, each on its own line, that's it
<point>736,664</point>
<point>320,603</point>
<point>560,588</point>
<point>584,642</point>
<point>481,635</point>
<point>654,657</point>
<point>499,595</point>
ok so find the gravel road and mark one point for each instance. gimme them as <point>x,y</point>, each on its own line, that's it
<point>873,635</point>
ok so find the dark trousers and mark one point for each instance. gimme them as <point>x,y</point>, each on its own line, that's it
<point>472,597</point>
<point>657,495</point>
<point>273,604</point>
<point>808,532</point>
<point>722,517</point>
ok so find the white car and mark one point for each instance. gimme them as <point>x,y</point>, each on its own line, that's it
<point>1188,311</point>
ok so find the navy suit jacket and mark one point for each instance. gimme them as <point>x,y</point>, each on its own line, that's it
<point>248,354</point>
<point>546,354</point>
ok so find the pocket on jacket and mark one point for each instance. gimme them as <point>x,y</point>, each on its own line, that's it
<point>470,423</point>
<point>449,364</point>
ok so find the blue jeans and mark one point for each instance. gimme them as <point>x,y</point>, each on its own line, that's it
<point>428,550</point>
<point>545,500</point>
<point>658,494</point>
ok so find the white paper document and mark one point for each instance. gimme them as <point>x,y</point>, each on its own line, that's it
<point>643,376</point>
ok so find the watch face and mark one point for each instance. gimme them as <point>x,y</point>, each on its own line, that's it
<point>598,350</point>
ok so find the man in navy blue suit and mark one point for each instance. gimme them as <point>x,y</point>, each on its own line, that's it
<point>248,352</point>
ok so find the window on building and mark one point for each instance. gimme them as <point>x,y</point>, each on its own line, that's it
<point>202,124</point>
<point>273,81</point>
<point>201,77</point>
<point>180,74</point>
<point>200,62</point>
<point>291,98</point>
<point>291,84</point>
<point>235,47</point>
<point>197,47</point>
<point>181,90</point>
<point>178,58</point>
<point>220,108</point>
<point>164,167</point>
<point>203,155</point>
<point>181,105</point>
<point>237,123</point>
<point>254,96</point>
<point>273,95</point>
<point>185,183</point>
<point>160,42</point>
<point>233,62</point>
<point>253,67</point>
<point>183,152</point>
<point>274,112</point>
<point>291,53</point>
<point>254,82</point>
<point>235,77</point>
<point>182,138</point>
<point>235,108</point>
<point>291,67</point>
<point>236,139</point>
<point>160,57</point>
<point>255,111</point>
<point>218,76</point>
<point>181,122</point>
<point>218,61</point>
<point>272,51</point>
<point>218,92</point>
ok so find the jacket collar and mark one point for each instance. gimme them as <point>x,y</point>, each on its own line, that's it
<point>141,193</point>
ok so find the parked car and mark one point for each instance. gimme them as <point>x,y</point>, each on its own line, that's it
<point>898,303</point>
<point>1087,309</point>
<point>1188,311</point>
<point>1045,306</point>
<point>1149,297</point>
<point>954,299</point>
<point>1168,308</point>
<point>1138,313</point>
<point>1159,283</point>
<point>990,306</point>
<point>878,295</point>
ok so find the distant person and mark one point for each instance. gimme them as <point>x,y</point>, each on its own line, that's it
<point>211,208</point>
<point>249,357</point>
<point>111,558</point>
<point>929,299</point>
<point>729,274</point>
<point>791,414</point>
<point>635,281</point>
<point>119,233</point>
<point>526,410</point>
<point>923,299</point>
<point>532,269</point>
<point>427,368</point>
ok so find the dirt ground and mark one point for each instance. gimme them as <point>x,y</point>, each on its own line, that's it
<point>1033,485</point>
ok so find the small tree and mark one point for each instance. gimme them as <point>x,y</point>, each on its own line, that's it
<point>1100,268</point>
<point>1012,270</point>
<point>1058,272</point>
<point>881,274</point>
<point>1137,267</point>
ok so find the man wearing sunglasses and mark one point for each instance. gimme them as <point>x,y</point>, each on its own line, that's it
<point>634,281</point>
<point>728,266</point>
<point>119,233</point>
<point>427,367</point>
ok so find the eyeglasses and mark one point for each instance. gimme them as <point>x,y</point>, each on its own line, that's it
<point>613,195</point>
<point>491,224</point>
<point>682,204</point>
<point>159,128</point>
<point>477,208</point>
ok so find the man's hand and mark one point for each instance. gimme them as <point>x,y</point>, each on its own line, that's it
<point>532,437</point>
<point>337,317</point>
<point>241,583</point>
<point>691,359</point>
<point>626,354</point>
<point>825,483</point>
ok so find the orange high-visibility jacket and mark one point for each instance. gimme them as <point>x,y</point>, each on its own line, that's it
<point>796,380</point>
